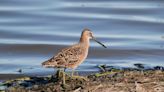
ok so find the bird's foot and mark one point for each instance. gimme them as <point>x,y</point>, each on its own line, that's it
<point>80,78</point>
<point>61,73</point>
<point>65,86</point>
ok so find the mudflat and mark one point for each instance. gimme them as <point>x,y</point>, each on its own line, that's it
<point>10,76</point>
<point>108,81</point>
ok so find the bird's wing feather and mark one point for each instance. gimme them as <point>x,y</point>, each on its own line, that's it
<point>57,60</point>
<point>73,54</point>
<point>67,56</point>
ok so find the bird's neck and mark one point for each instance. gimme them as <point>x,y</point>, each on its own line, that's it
<point>85,41</point>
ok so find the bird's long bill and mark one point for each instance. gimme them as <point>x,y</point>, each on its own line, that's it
<point>99,43</point>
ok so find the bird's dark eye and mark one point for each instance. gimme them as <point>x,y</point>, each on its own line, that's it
<point>57,59</point>
<point>61,55</point>
<point>90,34</point>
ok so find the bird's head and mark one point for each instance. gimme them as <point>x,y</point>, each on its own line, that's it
<point>87,33</point>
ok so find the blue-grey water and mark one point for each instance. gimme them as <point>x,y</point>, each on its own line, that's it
<point>32,31</point>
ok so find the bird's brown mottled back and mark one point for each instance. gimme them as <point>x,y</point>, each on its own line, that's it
<point>66,58</point>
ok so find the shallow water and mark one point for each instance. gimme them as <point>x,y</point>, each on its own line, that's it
<point>32,31</point>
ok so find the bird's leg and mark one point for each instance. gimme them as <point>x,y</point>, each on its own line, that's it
<point>64,69</point>
<point>64,79</point>
<point>72,72</point>
<point>58,74</point>
<point>63,75</point>
<point>78,77</point>
<point>54,70</point>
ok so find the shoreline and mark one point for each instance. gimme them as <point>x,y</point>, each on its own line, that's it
<point>107,80</point>
<point>102,68</point>
<point>4,77</point>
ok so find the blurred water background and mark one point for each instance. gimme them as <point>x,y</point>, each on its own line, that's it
<point>32,31</point>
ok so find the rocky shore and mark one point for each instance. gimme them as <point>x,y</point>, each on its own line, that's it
<point>108,80</point>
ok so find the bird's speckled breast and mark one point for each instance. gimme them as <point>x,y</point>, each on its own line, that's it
<point>83,56</point>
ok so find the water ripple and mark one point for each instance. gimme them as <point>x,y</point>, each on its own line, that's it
<point>116,5</point>
<point>33,31</point>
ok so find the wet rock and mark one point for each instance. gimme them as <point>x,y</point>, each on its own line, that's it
<point>105,68</point>
<point>159,68</point>
<point>139,65</point>
<point>130,69</point>
<point>19,70</point>
<point>102,68</point>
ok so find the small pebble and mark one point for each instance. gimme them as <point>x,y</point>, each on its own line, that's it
<point>36,86</point>
<point>49,90</point>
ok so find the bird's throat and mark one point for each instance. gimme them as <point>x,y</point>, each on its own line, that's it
<point>85,41</point>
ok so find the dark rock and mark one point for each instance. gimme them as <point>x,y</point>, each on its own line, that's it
<point>102,68</point>
<point>19,70</point>
<point>139,65</point>
<point>159,68</point>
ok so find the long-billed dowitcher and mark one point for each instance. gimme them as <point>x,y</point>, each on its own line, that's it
<point>74,55</point>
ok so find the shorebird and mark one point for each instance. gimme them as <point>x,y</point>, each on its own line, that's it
<point>74,55</point>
